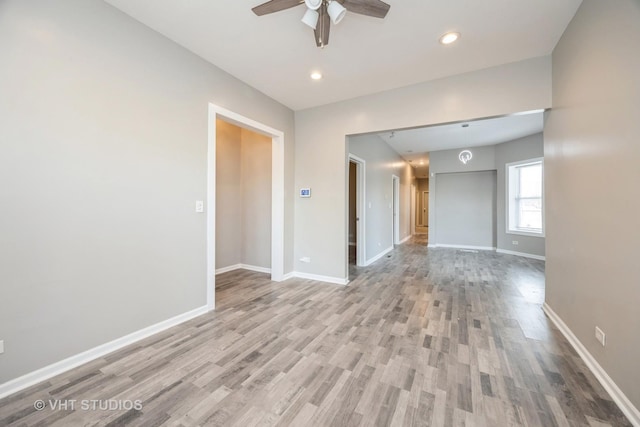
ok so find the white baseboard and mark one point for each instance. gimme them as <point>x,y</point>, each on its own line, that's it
<point>288,276</point>
<point>319,278</point>
<point>478,248</point>
<point>616,394</point>
<point>227,269</point>
<point>432,245</point>
<point>377,257</point>
<point>242,267</point>
<point>57,368</point>
<point>522,254</point>
<point>405,239</point>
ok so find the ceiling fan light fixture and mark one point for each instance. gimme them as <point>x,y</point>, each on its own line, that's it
<point>336,11</point>
<point>313,4</point>
<point>448,38</point>
<point>310,18</point>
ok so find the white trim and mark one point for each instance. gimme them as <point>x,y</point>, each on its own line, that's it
<point>227,269</point>
<point>288,276</point>
<point>432,245</point>
<point>69,363</point>
<point>243,267</point>
<point>319,278</point>
<point>601,375</point>
<point>277,194</point>
<point>522,254</point>
<point>380,255</point>
<point>479,248</point>
<point>405,239</point>
<point>507,199</point>
<point>361,210</point>
<point>395,209</point>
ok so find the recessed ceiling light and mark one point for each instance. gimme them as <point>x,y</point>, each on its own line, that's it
<point>449,38</point>
<point>316,75</point>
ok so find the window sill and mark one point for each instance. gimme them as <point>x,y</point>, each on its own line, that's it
<point>526,233</point>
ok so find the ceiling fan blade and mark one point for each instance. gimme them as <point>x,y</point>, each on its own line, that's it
<point>375,8</point>
<point>275,6</point>
<point>323,27</point>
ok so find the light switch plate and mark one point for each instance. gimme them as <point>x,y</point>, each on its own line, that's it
<point>199,206</point>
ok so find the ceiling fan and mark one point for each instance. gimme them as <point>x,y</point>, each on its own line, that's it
<point>320,13</point>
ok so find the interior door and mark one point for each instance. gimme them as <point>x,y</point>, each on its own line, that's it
<point>425,208</point>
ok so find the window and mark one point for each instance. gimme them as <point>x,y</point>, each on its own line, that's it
<point>525,197</point>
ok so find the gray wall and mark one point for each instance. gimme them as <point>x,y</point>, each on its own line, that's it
<point>465,212</point>
<point>493,157</point>
<point>229,222</point>
<point>243,197</point>
<point>591,145</point>
<point>353,211</point>
<point>447,162</point>
<point>526,148</point>
<point>104,153</point>
<point>321,222</point>
<point>255,157</point>
<point>382,162</point>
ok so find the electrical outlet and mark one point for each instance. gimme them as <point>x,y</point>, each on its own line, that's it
<point>514,242</point>
<point>600,336</point>
<point>199,206</point>
<point>1,346</point>
<point>305,259</point>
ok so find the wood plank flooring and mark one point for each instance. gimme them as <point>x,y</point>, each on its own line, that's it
<point>424,337</point>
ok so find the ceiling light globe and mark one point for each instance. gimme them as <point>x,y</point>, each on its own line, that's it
<point>449,38</point>
<point>336,11</point>
<point>310,18</point>
<point>313,4</point>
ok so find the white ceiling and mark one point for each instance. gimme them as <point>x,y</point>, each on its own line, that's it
<point>415,144</point>
<point>275,53</point>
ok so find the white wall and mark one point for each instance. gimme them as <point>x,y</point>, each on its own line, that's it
<point>591,145</point>
<point>382,162</point>
<point>321,152</point>
<point>104,153</point>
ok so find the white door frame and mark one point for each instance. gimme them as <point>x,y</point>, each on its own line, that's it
<point>412,213</point>
<point>277,194</point>
<point>395,210</point>
<point>361,253</point>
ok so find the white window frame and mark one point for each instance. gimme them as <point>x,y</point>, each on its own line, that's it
<point>509,198</point>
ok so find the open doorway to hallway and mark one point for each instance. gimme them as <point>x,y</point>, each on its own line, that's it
<point>422,207</point>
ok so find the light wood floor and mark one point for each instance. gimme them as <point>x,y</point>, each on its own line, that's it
<point>425,337</point>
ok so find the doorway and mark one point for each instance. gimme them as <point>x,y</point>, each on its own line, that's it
<point>277,193</point>
<point>356,252</point>
<point>422,206</point>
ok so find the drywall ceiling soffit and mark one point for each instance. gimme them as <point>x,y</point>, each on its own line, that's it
<point>414,144</point>
<point>275,53</point>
